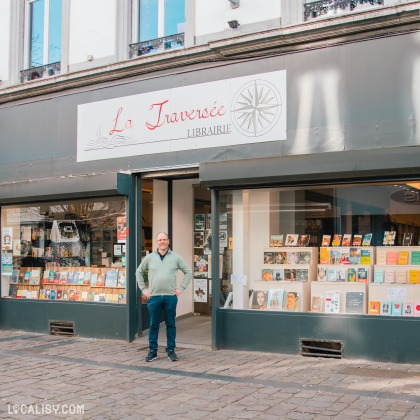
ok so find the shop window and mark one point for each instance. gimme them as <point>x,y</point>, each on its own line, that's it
<point>338,249</point>
<point>70,250</point>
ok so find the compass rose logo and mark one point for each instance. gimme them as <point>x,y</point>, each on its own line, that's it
<point>256,108</point>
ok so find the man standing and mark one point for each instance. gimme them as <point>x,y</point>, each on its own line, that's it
<point>162,266</point>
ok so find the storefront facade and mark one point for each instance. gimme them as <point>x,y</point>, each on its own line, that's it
<point>326,149</point>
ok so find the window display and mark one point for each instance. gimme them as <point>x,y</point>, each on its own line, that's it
<point>73,250</point>
<point>339,249</point>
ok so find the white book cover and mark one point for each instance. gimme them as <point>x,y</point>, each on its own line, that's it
<point>332,301</point>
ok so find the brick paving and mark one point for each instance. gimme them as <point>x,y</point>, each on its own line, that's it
<point>111,379</point>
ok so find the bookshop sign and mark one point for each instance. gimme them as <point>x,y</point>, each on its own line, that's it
<point>241,110</point>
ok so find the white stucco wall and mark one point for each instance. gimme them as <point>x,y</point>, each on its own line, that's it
<point>92,29</point>
<point>4,39</point>
<point>212,16</point>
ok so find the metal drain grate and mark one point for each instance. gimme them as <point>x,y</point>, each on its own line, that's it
<point>380,373</point>
<point>61,328</point>
<point>321,348</point>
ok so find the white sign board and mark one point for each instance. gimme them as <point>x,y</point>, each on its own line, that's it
<point>241,110</point>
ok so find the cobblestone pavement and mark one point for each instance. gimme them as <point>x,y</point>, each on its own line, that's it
<point>46,377</point>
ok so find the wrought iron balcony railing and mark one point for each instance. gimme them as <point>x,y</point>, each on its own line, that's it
<point>40,72</point>
<point>156,45</point>
<point>323,7</point>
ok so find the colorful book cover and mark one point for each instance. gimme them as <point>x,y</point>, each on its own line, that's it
<point>69,278</point>
<point>357,240</point>
<point>389,276</point>
<point>266,274</point>
<point>93,279</point>
<point>400,276</point>
<point>332,274</point>
<point>413,276</point>
<point>304,257</point>
<point>354,256</point>
<point>53,294</point>
<point>291,301</point>
<point>278,274</point>
<point>351,275</point>
<point>268,257</point>
<point>341,275</point>
<point>96,298</point>
<point>367,239</point>
<point>275,299</point>
<point>345,256</point>
<point>416,311</point>
<point>56,277</point>
<point>381,255</point>
<point>59,294</point>
<point>280,258</point>
<point>346,240</point>
<point>47,293</point>
<point>326,239</point>
<point>374,307</point>
<point>121,279</point>
<point>91,296</point>
<point>27,277</point>
<point>324,256</point>
<point>396,308</point>
<point>115,297</point>
<point>302,274</point>
<point>81,278</point>
<point>65,295</point>
<point>111,279</point>
<point>408,308</point>
<point>304,240</point>
<point>100,281</point>
<point>259,300</point>
<point>122,298</point>
<point>354,302</point>
<point>385,307</point>
<point>290,274</point>
<point>75,277</point>
<point>201,264</point>
<point>44,277</point>
<point>86,279</point>
<point>332,302</point>
<point>293,258</point>
<point>365,257</point>
<point>42,294</point>
<point>77,294</point>
<point>84,296</point>
<point>415,257</point>
<point>335,256</point>
<point>403,257</point>
<point>378,275</point>
<point>336,240</point>
<point>51,276</point>
<point>276,240</point>
<point>392,257</point>
<point>291,239</point>
<point>362,275</point>
<point>389,238</point>
<point>72,295</point>
<point>322,274</point>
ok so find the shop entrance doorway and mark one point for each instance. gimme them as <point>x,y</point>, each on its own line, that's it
<point>179,206</point>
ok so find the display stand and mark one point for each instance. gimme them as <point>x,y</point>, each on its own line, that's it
<point>349,270</point>
<point>306,260</point>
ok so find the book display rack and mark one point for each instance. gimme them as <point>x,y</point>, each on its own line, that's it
<point>286,274</point>
<point>107,285</point>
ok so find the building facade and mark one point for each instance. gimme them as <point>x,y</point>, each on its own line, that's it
<point>287,130</point>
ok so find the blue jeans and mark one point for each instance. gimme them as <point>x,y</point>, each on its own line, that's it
<point>155,305</point>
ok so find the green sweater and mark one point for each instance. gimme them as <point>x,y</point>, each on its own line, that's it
<point>162,273</point>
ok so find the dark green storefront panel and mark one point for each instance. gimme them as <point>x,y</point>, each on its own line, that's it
<point>90,319</point>
<point>379,338</point>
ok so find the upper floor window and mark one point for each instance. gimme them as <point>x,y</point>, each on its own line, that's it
<point>43,32</point>
<point>160,18</point>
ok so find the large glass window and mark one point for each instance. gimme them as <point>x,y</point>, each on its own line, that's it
<point>159,18</point>
<point>44,32</point>
<point>69,250</point>
<point>339,249</point>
